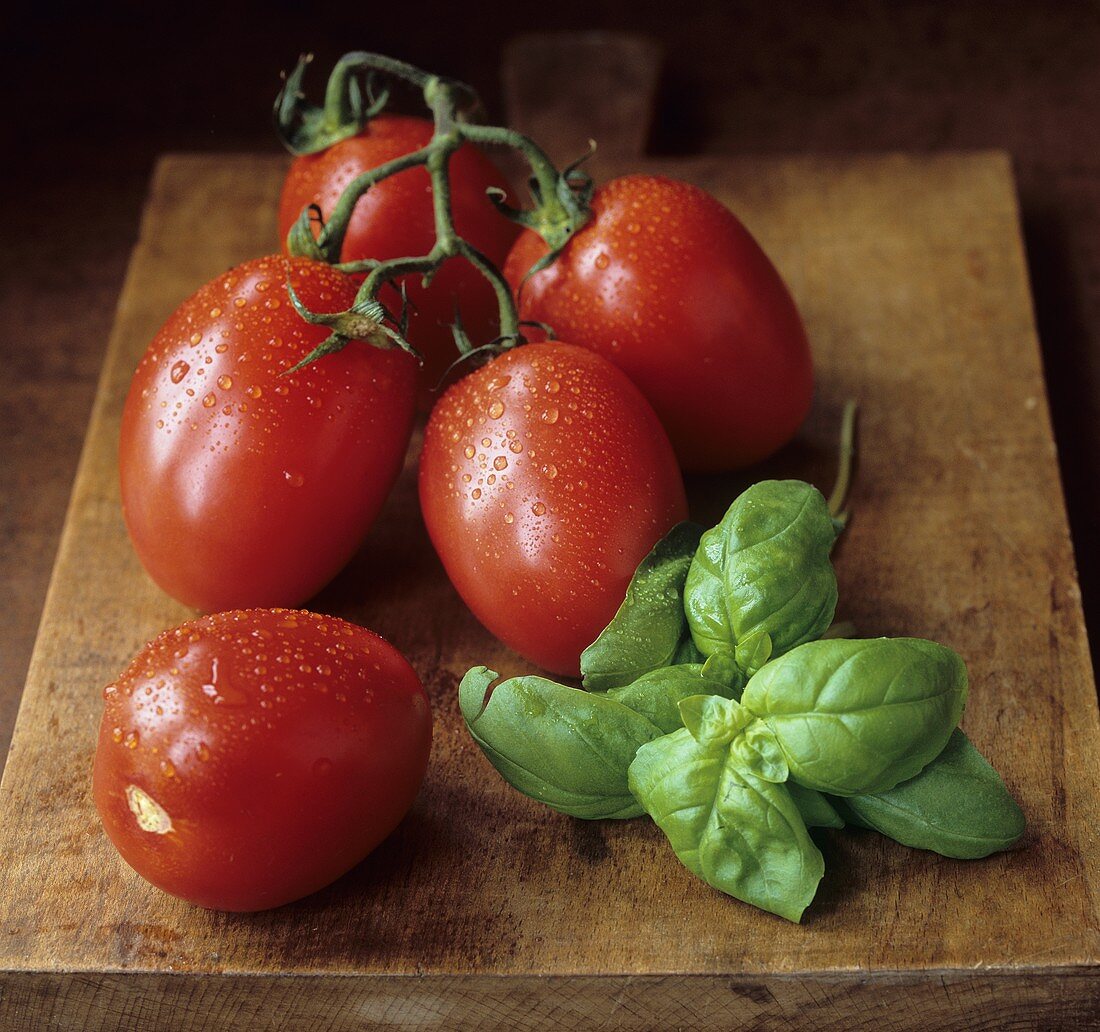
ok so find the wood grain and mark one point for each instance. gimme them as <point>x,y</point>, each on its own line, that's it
<point>486,910</point>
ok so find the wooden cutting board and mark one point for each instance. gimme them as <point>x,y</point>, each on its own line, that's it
<point>485,910</point>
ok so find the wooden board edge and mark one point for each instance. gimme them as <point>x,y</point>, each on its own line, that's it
<point>100,402</point>
<point>851,1001</point>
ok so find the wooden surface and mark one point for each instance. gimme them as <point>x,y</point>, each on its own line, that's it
<point>486,910</point>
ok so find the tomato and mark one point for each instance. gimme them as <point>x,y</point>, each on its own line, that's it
<point>544,480</point>
<point>241,486</point>
<point>394,219</point>
<point>247,759</point>
<point>666,283</point>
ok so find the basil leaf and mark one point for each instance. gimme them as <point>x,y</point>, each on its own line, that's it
<point>818,811</point>
<point>656,695</point>
<point>739,833</point>
<point>761,581</point>
<point>957,806</point>
<point>649,630</point>
<point>859,716</point>
<point>567,748</point>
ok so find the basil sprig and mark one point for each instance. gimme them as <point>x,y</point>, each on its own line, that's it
<point>715,706</point>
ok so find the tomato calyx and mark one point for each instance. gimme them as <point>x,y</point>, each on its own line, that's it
<point>367,320</point>
<point>562,206</point>
<point>306,128</point>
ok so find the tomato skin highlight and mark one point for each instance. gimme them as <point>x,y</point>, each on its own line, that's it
<point>244,487</point>
<point>240,790</point>
<point>665,282</point>
<point>544,480</point>
<point>395,219</point>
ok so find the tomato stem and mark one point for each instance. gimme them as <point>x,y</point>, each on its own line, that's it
<point>561,198</point>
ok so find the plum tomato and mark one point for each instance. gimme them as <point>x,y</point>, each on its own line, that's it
<point>242,486</point>
<point>544,480</point>
<point>394,219</point>
<point>247,759</point>
<point>666,283</point>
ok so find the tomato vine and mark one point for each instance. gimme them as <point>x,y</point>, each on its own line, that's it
<point>560,197</point>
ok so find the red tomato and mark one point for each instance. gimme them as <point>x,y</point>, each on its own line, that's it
<point>544,480</point>
<point>248,759</point>
<point>394,219</point>
<point>667,284</point>
<point>241,486</point>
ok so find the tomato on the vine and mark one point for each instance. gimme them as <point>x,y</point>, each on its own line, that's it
<point>247,759</point>
<point>242,486</point>
<point>666,283</point>
<point>544,480</point>
<point>394,219</point>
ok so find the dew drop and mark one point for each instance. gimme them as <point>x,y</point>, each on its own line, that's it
<point>602,261</point>
<point>209,401</point>
<point>509,517</point>
<point>500,462</point>
<point>179,371</point>
<point>496,410</point>
<point>475,494</point>
<point>254,392</point>
<point>550,415</point>
<point>196,338</point>
<point>293,479</point>
<point>225,382</point>
<point>538,509</point>
<point>116,734</point>
<point>550,470</point>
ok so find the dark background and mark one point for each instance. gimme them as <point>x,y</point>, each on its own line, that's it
<point>93,94</point>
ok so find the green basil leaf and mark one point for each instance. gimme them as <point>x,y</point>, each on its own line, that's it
<point>817,810</point>
<point>859,716</point>
<point>656,695</point>
<point>957,806</point>
<point>650,629</point>
<point>567,748</point>
<point>761,581</point>
<point>739,833</point>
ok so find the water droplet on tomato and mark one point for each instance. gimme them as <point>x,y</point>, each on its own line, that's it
<point>254,392</point>
<point>515,447</point>
<point>550,470</point>
<point>131,740</point>
<point>509,517</point>
<point>475,494</point>
<point>496,410</point>
<point>225,382</point>
<point>209,401</point>
<point>203,752</point>
<point>500,462</point>
<point>538,509</point>
<point>116,734</point>
<point>196,338</point>
<point>294,479</point>
<point>602,261</point>
<point>180,370</point>
<point>167,769</point>
<point>550,415</point>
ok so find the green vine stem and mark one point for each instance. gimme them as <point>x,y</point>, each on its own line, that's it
<point>561,198</point>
